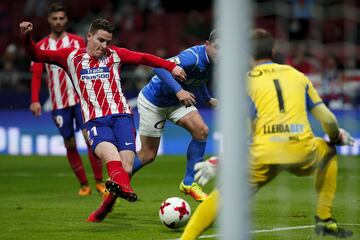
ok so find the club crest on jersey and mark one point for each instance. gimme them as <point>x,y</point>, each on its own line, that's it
<point>101,73</point>
<point>175,60</point>
<point>255,73</point>
<point>104,59</point>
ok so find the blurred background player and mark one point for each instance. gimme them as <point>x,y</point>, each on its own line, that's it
<point>164,98</point>
<point>282,139</point>
<point>95,73</point>
<point>65,104</point>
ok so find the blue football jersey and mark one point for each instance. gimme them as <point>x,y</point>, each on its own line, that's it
<point>162,88</point>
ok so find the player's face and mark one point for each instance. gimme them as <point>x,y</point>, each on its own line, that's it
<point>212,49</point>
<point>98,42</point>
<point>57,21</point>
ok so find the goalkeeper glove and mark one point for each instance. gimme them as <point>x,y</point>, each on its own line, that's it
<point>206,170</point>
<point>344,138</point>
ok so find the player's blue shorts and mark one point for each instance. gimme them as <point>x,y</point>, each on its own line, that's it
<point>118,129</point>
<point>64,120</point>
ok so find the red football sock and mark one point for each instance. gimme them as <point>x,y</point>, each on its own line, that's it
<point>103,210</point>
<point>76,165</point>
<point>96,165</point>
<point>107,203</point>
<point>117,173</point>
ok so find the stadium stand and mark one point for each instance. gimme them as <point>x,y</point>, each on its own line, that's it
<point>321,28</point>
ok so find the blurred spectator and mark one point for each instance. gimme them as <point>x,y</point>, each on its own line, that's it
<point>300,22</point>
<point>5,26</point>
<point>36,8</point>
<point>130,17</point>
<point>300,61</point>
<point>5,19</point>
<point>332,80</point>
<point>9,75</point>
<point>142,75</point>
<point>195,29</point>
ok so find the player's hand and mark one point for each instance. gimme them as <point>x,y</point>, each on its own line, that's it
<point>186,98</point>
<point>343,139</point>
<point>179,73</point>
<point>26,27</point>
<point>206,170</point>
<point>35,108</point>
<point>213,102</point>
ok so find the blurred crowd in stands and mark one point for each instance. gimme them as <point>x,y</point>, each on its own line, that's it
<point>321,38</point>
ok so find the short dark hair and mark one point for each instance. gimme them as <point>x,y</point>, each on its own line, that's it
<point>263,44</point>
<point>213,35</point>
<point>103,24</point>
<point>56,7</point>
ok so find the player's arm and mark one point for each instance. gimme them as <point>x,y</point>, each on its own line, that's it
<point>330,125</point>
<point>35,106</point>
<point>132,57</point>
<point>185,97</point>
<point>186,60</point>
<point>57,57</point>
<point>326,118</point>
<point>204,92</point>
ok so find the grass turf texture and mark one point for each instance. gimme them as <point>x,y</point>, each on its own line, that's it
<point>38,199</point>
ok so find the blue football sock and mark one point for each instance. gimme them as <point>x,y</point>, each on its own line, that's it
<point>137,164</point>
<point>195,154</point>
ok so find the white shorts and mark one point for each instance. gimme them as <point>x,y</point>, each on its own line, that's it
<point>153,118</point>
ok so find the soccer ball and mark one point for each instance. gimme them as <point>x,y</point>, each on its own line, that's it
<point>174,212</point>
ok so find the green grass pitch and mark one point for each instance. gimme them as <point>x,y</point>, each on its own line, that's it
<point>38,200</point>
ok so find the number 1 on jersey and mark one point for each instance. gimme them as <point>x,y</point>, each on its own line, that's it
<point>279,95</point>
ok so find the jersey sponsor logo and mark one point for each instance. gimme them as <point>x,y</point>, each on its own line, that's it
<point>102,73</point>
<point>283,128</point>
<point>128,143</point>
<point>255,73</point>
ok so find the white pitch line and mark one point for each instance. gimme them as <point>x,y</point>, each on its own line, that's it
<point>279,229</point>
<point>282,229</point>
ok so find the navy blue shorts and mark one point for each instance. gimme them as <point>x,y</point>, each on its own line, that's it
<point>68,120</point>
<point>118,129</point>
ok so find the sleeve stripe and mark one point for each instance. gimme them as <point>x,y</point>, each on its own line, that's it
<point>316,104</point>
<point>197,59</point>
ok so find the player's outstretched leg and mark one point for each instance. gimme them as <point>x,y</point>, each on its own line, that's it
<point>119,183</point>
<point>96,165</point>
<point>326,186</point>
<point>104,209</point>
<point>195,154</point>
<point>194,190</point>
<point>204,215</point>
<point>329,227</point>
<point>84,190</point>
<point>100,187</point>
<point>77,166</point>
<point>137,164</point>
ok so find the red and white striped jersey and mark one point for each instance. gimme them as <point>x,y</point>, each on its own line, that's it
<point>61,91</point>
<point>96,80</point>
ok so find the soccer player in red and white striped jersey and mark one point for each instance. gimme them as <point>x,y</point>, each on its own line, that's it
<point>65,103</point>
<point>95,73</point>
<point>61,91</point>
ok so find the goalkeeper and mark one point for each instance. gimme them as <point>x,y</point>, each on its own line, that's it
<point>282,139</point>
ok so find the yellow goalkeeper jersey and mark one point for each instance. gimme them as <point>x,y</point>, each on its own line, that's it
<point>280,97</point>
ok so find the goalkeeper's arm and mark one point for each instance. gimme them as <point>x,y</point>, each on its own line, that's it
<point>330,125</point>
<point>206,170</point>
